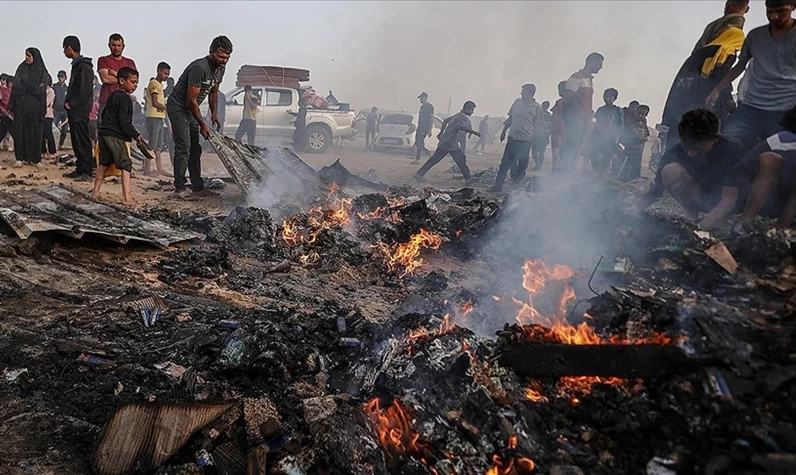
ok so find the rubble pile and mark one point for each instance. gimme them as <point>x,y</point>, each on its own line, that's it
<point>394,333</point>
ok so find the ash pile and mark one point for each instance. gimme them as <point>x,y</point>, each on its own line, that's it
<point>418,331</point>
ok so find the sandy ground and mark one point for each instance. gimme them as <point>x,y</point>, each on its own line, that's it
<point>390,167</point>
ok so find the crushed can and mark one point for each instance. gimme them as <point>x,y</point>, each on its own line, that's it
<point>350,343</point>
<point>229,324</point>
<point>204,459</point>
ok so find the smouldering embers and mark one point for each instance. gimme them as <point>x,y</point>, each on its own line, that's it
<point>401,258</point>
<point>541,278</point>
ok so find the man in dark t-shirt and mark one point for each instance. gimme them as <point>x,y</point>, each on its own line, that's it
<point>703,173</point>
<point>199,80</point>
<point>773,164</point>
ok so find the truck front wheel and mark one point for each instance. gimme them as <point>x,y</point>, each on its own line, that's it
<point>317,139</point>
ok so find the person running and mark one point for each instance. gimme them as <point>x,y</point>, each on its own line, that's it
<point>78,105</point>
<point>29,104</point>
<point>107,66</point>
<point>155,104</point>
<point>768,56</point>
<point>115,131</point>
<point>449,143</point>
<point>578,111</point>
<point>200,80</point>
<point>425,123</point>
<point>524,115</point>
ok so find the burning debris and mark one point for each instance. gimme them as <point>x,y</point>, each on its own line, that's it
<point>378,356</point>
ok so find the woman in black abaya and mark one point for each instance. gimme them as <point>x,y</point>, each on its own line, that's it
<point>29,103</point>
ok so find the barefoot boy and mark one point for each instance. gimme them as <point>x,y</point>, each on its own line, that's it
<point>115,131</point>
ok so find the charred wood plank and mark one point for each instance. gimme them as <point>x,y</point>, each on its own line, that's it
<point>622,361</point>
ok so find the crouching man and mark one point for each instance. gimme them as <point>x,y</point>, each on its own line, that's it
<point>703,172</point>
<point>773,164</point>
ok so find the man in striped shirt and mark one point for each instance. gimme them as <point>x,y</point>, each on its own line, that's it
<point>578,111</point>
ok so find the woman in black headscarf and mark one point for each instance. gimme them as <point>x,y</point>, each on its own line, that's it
<point>29,103</point>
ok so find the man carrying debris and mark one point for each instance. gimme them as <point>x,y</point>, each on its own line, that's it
<point>449,143</point>
<point>578,111</point>
<point>201,78</point>
<point>425,122</point>
<point>773,163</point>
<point>771,76</point>
<point>703,172</point>
<point>115,131</point>
<point>78,103</point>
<point>524,116</point>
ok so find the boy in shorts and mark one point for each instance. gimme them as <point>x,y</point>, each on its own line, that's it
<point>115,131</point>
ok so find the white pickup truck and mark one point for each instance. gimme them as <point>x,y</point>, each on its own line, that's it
<point>277,115</point>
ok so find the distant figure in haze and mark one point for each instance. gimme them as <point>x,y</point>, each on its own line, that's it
<point>702,172</point>
<point>79,100</point>
<point>541,137</point>
<point>449,144</point>
<point>608,123</point>
<point>107,66</point>
<point>734,11</point>
<point>425,122</point>
<point>28,104</point>
<point>248,124</point>
<point>630,111</point>
<point>557,127</point>
<point>370,127</point>
<point>524,116</point>
<point>578,111</point>
<point>483,129</point>
<point>636,134</point>
<point>199,80</point>
<point>48,145</point>
<point>155,121</point>
<point>59,113</point>
<point>770,77</point>
<point>6,116</point>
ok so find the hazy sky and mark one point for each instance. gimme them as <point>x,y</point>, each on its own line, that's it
<point>385,53</point>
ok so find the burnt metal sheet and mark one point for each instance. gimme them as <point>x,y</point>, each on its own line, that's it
<point>62,209</point>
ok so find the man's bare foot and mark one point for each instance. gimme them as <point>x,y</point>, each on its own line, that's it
<point>131,202</point>
<point>95,196</point>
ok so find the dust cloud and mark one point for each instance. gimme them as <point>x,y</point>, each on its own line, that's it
<point>484,51</point>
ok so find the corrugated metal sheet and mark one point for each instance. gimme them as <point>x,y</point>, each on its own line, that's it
<point>60,208</point>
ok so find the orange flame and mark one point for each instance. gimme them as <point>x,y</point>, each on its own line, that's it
<point>513,465</point>
<point>394,430</point>
<point>539,277</point>
<point>534,395</point>
<point>337,213</point>
<point>309,259</point>
<point>406,255</point>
